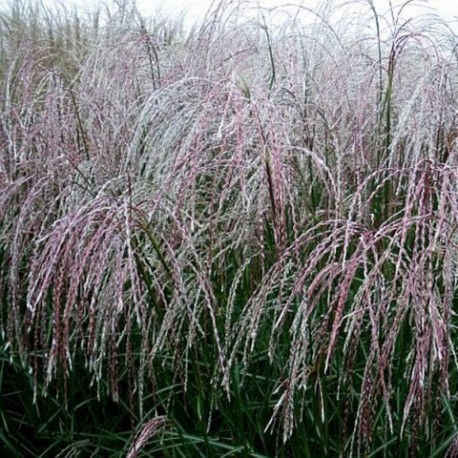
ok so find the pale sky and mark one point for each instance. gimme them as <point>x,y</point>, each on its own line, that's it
<point>196,9</point>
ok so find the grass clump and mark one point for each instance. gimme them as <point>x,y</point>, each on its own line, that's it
<point>241,240</point>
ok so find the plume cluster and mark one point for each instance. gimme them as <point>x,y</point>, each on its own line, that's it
<point>245,187</point>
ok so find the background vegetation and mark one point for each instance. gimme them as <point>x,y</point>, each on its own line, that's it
<point>239,240</point>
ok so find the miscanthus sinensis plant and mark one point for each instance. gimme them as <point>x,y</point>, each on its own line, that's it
<point>248,216</point>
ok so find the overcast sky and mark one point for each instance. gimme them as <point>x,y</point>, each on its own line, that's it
<point>196,9</point>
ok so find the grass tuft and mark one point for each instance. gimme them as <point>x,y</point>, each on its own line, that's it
<point>241,239</point>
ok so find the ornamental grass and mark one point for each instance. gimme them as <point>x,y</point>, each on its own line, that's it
<point>238,239</point>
